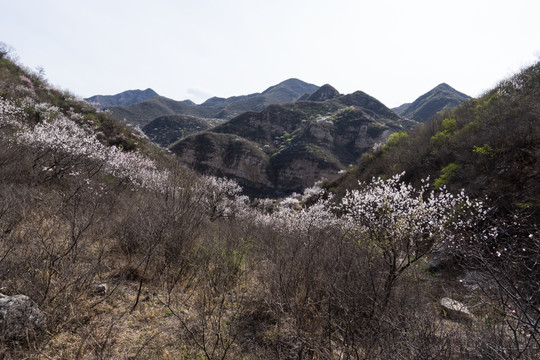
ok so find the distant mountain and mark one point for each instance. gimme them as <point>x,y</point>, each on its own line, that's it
<point>288,147</point>
<point>124,98</point>
<point>287,91</point>
<point>325,92</point>
<point>424,108</point>
<point>167,129</point>
<point>401,108</point>
<point>142,113</point>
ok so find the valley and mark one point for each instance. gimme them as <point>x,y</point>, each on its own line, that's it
<point>223,243</point>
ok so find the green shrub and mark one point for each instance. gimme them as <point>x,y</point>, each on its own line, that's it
<point>439,139</point>
<point>449,124</point>
<point>447,173</point>
<point>393,140</point>
<point>485,150</point>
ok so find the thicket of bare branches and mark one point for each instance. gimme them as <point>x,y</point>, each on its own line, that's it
<point>108,242</point>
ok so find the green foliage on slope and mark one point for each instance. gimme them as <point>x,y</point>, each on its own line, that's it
<point>489,145</point>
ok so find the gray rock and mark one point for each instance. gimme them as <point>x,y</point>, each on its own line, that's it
<point>472,280</point>
<point>19,317</point>
<point>101,289</point>
<point>454,310</point>
<point>440,259</point>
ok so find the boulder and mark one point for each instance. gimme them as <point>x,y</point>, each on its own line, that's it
<point>19,317</point>
<point>101,289</point>
<point>454,310</point>
<point>440,259</point>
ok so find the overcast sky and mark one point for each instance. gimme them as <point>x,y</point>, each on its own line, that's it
<point>394,50</point>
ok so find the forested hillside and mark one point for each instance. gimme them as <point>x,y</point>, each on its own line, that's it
<point>490,146</point>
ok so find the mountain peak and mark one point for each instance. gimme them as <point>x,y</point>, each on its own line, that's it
<point>124,98</point>
<point>294,85</point>
<point>325,92</point>
<point>443,86</point>
<point>442,96</point>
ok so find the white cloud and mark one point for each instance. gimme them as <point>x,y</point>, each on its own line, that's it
<point>198,95</point>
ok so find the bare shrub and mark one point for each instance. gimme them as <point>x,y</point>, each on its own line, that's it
<point>507,253</point>
<point>210,305</point>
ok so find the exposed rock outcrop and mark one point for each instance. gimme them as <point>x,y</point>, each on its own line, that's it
<point>19,317</point>
<point>286,148</point>
<point>101,289</point>
<point>454,310</point>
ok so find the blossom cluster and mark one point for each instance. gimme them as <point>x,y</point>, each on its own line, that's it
<point>391,210</point>
<point>10,113</point>
<point>314,192</point>
<point>27,81</point>
<point>300,221</point>
<point>62,135</point>
<point>222,197</point>
<point>391,213</point>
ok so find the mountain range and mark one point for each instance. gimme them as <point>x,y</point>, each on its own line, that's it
<point>142,113</point>
<point>282,139</point>
<point>124,98</point>
<point>288,147</point>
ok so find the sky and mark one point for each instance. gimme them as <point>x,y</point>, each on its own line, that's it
<point>394,50</point>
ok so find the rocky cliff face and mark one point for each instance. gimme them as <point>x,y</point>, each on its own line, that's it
<point>229,156</point>
<point>287,148</point>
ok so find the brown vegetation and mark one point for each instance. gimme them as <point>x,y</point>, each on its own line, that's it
<point>124,271</point>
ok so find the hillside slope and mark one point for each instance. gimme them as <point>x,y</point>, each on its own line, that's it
<point>167,129</point>
<point>111,249</point>
<point>489,145</point>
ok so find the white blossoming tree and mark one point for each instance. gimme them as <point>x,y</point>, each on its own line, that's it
<point>222,197</point>
<point>62,146</point>
<point>402,224</point>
